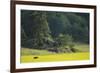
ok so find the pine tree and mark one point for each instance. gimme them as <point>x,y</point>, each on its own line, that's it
<point>41,30</point>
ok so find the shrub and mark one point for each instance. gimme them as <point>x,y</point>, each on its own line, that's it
<point>64,40</point>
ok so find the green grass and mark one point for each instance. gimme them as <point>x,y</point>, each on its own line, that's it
<point>55,57</point>
<point>27,55</point>
<point>82,47</point>
<point>27,51</point>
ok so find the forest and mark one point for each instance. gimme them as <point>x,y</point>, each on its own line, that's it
<point>54,32</point>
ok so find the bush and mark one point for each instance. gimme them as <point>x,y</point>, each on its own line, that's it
<point>64,40</point>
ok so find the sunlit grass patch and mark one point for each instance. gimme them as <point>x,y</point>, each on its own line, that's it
<point>55,57</point>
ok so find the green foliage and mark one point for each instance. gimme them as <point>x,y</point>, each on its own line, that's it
<point>64,40</point>
<point>45,29</point>
<point>71,45</point>
<point>79,27</point>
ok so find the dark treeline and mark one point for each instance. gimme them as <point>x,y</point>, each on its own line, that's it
<point>45,28</point>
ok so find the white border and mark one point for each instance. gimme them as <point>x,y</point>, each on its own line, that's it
<point>52,64</point>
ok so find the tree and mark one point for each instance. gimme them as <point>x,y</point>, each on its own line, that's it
<point>64,40</point>
<point>41,31</point>
<point>42,27</point>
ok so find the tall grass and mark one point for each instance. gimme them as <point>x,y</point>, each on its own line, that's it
<point>82,47</point>
<point>27,51</point>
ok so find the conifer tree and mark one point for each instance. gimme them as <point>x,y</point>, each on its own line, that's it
<point>41,30</point>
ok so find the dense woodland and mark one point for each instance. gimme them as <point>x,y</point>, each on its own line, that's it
<point>53,31</point>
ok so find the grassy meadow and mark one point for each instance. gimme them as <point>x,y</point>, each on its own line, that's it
<point>28,55</point>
